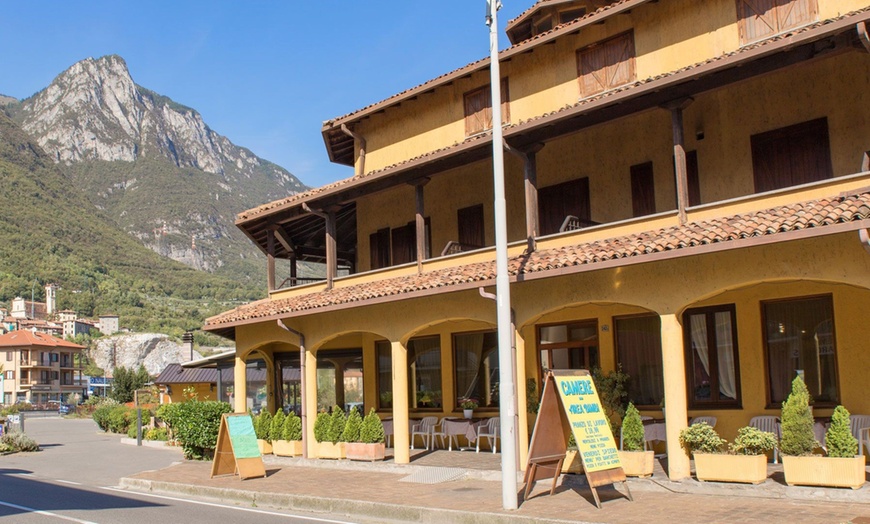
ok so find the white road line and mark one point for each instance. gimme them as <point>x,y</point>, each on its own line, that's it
<point>41,512</point>
<point>68,482</point>
<point>223,506</point>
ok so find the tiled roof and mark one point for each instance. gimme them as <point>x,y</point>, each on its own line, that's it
<point>175,374</point>
<point>25,337</point>
<point>806,215</point>
<point>306,195</point>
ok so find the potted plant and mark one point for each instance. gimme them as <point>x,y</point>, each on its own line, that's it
<point>262,426</point>
<point>290,444</point>
<point>468,406</point>
<point>329,440</point>
<point>635,461</point>
<point>369,443</point>
<point>745,461</point>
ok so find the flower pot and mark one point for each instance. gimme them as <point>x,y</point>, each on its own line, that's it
<point>368,452</point>
<point>749,469</point>
<point>573,463</point>
<point>817,470</point>
<point>287,448</point>
<point>328,450</point>
<point>468,413</point>
<point>265,446</point>
<point>637,463</point>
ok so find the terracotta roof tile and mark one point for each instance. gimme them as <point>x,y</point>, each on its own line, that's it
<point>794,217</point>
<point>25,337</point>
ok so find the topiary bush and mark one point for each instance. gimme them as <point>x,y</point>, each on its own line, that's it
<point>352,426</point>
<point>797,422</point>
<point>195,424</point>
<point>701,438</point>
<point>292,429</point>
<point>157,434</point>
<point>263,424</point>
<point>632,430</point>
<point>337,421</point>
<point>18,441</point>
<point>321,426</point>
<point>276,428</point>
<point>752,441</point>
<point>372,429</point>
<point>839,439</point>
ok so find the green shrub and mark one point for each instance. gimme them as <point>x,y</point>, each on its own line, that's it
<point>352,426</point>
<point>195,424</point>
<point>132,431</point>
<point>276,428</point>
<point>839,439</point>
<point>157,434</point>
<point>115,418</point>
<point>337,421</point>
<point>18,441</point>
<point>101,414</point>
<point>292,429</point>
<point>752,441</point>
<point>613,393</point>
<point>263,425</point>
<point>797,422</point>
<point>632,430</point>
<point>321,426</point>
<point>701,438</point>
<point>372,429</point>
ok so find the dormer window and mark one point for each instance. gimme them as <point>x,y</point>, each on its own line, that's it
<point>478,109</point>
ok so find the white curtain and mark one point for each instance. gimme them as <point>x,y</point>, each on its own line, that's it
<point>725,351</point>
<point>699,340</point>
<point>469,357</point>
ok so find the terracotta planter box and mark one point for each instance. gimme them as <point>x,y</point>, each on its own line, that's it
<point>265,446</point>
<point>824,471</point>
<point>749,469</point>
<point>287,448</point>
<point>573,463</point>
<point>637,463</point>
<point>328,450</point>
<point>368,452</point>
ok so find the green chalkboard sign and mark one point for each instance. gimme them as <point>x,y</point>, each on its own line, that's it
<point>237,451</point>
<point>243,437</point>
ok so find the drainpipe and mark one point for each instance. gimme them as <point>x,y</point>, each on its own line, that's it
<point>360,167</point>
<point>863,36</point>
<point>864,237</point>
<point>303,396</point>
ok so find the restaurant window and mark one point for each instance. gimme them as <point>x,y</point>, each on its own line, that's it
<point>478,108</point>
<point>639,352</point>
<point>799,339</point>
<point>643,194</point>
<point>760,19</point>
<point>605,65</point>
<point>289,383</point>
<point>790,156</point>
<point>568,346</point>
<point>557,202</point>
<point>471,229</point>
<point>711,357</point>
<point>384,356</point>
<point>424,375</point>
<point>475,357</point>
<point>340,379</point>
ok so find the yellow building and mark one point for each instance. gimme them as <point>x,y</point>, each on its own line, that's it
<point>688,196</point>
<point>38,368</point>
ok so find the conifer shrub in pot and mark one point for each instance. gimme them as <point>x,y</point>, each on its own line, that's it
<point>745,461</point>
<point>290,444</point>
<point>368,441</point>
<point>635,461</point>
<point>262,428</point>
<point>331,445</point>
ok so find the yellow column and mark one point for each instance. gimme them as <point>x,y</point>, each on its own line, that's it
<point>240,385</point>
<point>522,411</point>
<point>310,401</point>
<point>676,413</point>
<point>270,383</point>
<point>401,429</point>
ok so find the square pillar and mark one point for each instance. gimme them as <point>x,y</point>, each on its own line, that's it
<point>240,386</point>
<point>310,403</point>
<point>401,427</point>
<point>676,412</point>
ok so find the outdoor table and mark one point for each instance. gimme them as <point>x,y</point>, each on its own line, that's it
<point>655,429</point>
<point>455,427</point>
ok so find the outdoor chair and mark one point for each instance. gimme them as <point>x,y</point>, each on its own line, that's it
<point>489,431</point>
<point>861,431</point>
<point>770,424</point>
<point>425,429</point>
<point>711,421</point>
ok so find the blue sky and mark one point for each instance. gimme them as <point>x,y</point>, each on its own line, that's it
<point>265,74</point>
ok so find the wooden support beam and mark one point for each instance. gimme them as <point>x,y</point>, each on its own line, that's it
<point>270,259</point>
<point>530,184</point>
<point>676,108</point>
<point>420,222</point>
<point>331,258</point>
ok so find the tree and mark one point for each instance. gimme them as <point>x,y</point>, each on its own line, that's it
<point>126,382</point>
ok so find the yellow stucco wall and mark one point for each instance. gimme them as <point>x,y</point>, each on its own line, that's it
<point>203,392</point>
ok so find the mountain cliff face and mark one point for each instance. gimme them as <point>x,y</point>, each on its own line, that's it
<point>153,165</point>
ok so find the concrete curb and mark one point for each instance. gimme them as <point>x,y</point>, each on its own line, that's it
<point>159,444</point>
<point>351,508</point>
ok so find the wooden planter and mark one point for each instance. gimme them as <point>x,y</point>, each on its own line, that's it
<point>368,452</point>
<point>817,470</point>
<point>265,446</point>
<point>328,450</point>
<point>637,463</point>
<point>573,463</point>
<point>749,469</point>
<point>287,448</point>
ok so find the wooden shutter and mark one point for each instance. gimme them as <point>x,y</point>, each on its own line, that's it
<point>404,248</point>
<point>643,198</point>
<point>379,247</point>
<point>760,19</point>
<point>561,200</point>
<point>792,155</point>
<point>478,108</point>
<point>605,65</point>
<point>471,228</point>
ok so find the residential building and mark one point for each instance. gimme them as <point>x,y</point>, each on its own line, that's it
<point>38,367</point>
<point>108,324</point>
<point>688,196</point>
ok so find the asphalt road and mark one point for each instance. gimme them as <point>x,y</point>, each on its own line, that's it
<point>74,479</point>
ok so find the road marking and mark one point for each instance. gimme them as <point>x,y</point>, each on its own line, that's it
<point>223,506</point>
<point>69,482</point>
<point>41,512</point>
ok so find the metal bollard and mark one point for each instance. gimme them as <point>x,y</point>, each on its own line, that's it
<point>139,427</point>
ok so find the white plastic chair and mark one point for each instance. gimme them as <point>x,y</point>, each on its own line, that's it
<point>770,424</point>
<point>860,425</point>
<point>489,431</point>
<point>424,428</point>
<point>711,421</point>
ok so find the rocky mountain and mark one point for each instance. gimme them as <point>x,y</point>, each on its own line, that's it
<point>153,165</point>
<point>153,350</point>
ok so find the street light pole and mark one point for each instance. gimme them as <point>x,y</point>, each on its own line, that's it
<point>507,388</point>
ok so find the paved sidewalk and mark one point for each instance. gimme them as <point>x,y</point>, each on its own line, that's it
<point>378,491</point>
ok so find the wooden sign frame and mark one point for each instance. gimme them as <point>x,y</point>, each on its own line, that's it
<point>549,442</point>
<point>234,452</point>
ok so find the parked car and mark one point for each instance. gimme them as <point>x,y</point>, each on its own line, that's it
<point>65,409</point>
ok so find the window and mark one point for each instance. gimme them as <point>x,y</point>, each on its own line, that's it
<point>475,357</point>
<point>471,230</point>
<point>384,356</point>
<point>605,65</point>
<point>571,14</point>
<point>639,352</point>
<point>10,375</point>
<point>792,155</point>
<point>54,357</point>
<point>568,346</point>
<point>478,108</point>
<point>404,244</point>
<point>711,357</point>
<point>424,375</point>
<point>555,203</point>
<point>759,19</point>
<point>397,246</point>
<point>543,25</point>
<point>643,194</point>
<point>340,379</point>
<point>9,356</point>
<point>379,247</point>
<point>799,338</point>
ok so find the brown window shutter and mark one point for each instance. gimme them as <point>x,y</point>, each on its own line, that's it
<point>593,74</point>
<point>760,19</point>
<point>790,156</point>
<point>379,246</point>
<point>643,197</point>
<point>606,65</point>
<point>692,178</point>
<point>557,202</point>
<point>476,104</point>
<point>471,226</point>
<point>505,102</point>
